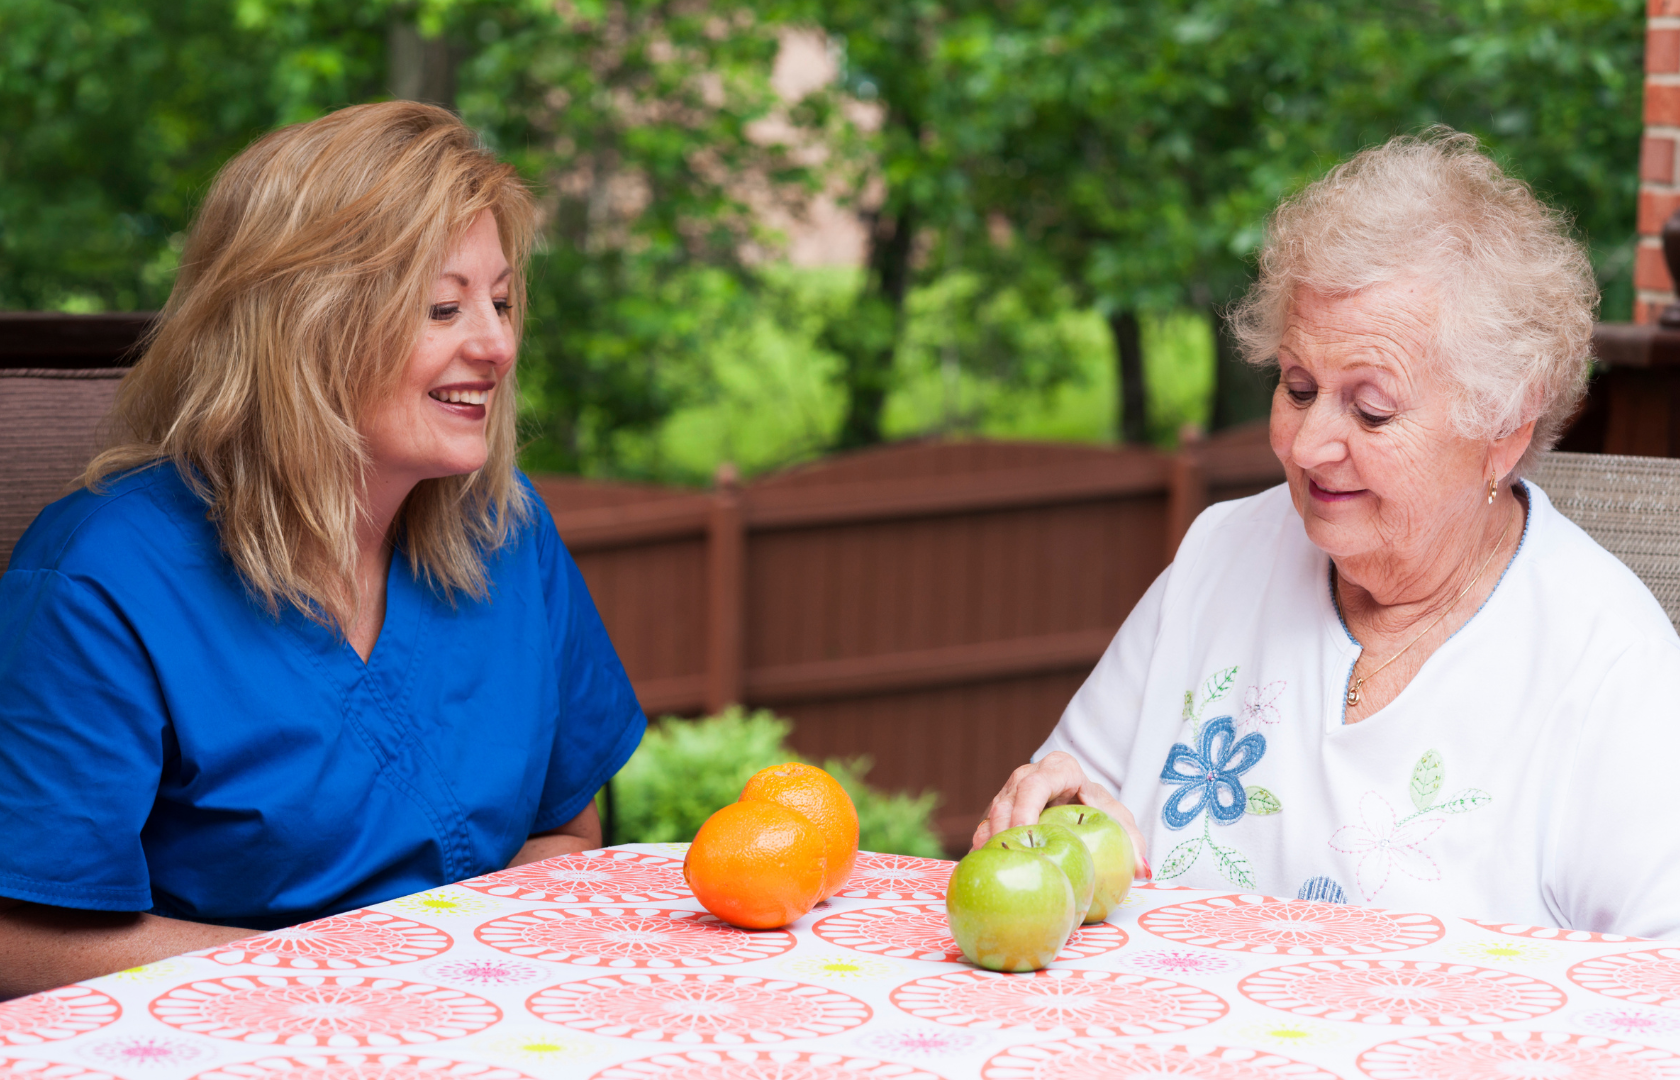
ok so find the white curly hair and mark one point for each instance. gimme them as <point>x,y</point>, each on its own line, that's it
<point>1516,296</point>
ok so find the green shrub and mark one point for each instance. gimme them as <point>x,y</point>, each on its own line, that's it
<point>686,769</point>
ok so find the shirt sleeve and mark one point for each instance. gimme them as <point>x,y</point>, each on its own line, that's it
<point>1612,863</point>
<point>84,734</point>
<point>600,723</point>
<point>1100,724</point>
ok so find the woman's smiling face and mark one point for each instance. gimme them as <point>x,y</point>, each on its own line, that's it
<point>435,423</point>
<point>1363,425</point>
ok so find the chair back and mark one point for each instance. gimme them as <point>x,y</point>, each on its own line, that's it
<point>54,426</point>
<point>1630,505</point>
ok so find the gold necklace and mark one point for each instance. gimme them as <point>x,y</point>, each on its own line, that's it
<point>1353,697</point>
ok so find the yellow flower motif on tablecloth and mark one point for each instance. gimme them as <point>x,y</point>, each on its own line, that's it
<point>1289,1032</point>
<point>1503,951</point>
<point>671,849</point>
<point>1131,899</point>
<point>840,968</point>
<point>155,972</point>
<point>539,1046</point>
<point>443,902</point>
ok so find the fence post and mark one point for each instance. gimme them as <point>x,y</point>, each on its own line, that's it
<point>1187,495</point>
<point>725,587</point>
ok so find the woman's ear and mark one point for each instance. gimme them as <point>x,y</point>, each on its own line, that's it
<point>1507,450</point>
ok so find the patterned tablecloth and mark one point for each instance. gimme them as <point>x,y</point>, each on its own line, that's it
<point>603,966</point>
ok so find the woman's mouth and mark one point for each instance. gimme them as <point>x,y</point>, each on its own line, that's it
<point>1326,495</point>
<point>468,401</point>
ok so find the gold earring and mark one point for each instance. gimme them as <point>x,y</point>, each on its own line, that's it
<point>1493,488</point>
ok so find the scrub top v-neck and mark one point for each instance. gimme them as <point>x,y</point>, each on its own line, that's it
<point>168,745</point>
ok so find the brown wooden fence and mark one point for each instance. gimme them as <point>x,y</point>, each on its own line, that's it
<point>932,605</point>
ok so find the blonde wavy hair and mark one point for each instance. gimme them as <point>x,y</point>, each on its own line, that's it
<point>304,288</point>
<point>1515,294</point>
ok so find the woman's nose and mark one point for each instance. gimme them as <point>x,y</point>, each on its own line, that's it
<point>1319,440</point>
<point>489,337</point>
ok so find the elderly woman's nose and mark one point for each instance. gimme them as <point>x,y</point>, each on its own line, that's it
<point>1320,437</point>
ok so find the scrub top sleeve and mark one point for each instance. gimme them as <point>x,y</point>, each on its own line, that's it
<point>83,739</point>
<point>600,723</point>
<point>1612,863</point>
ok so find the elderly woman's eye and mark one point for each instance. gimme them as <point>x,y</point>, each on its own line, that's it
<point>1371,419</point>
<point>444,312</point>
<point>1301,397</point>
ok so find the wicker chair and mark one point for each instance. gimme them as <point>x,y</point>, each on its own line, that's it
<point>1630,505</point>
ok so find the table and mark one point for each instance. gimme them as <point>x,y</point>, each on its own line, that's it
<point>603,966</point>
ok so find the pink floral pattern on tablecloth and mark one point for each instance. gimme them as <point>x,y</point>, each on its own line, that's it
<point>630,937</point>
<point>338,1011</point>
<point>699,1008</point>
<point>922,932</point>
<point>1547,933</point>
<point>1103,1059</point>
<point>146,1052</point>
<point>1648,977</point>
<point>589,877</point>
<point>486,971</point>
<point>1178,963</point>
<point>1631,1021</point>
<point>355,939</point>
<point>58,1014</point>
<point>361,1067</point>
<point>1261,924</point>
<point>897,877</point>
<point>31,1069</point>
<point>1502,1055</point>
<point>1093,1003</point>
<point>1402,992</point>
<point>760,1065</point>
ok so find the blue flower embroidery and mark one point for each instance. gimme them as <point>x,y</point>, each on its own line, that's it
<point>1211,780</point>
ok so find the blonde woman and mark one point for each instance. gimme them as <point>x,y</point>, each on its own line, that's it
<point>305,640</point>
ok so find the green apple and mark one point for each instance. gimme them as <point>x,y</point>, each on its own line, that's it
<point>1111,851</point>
<point>1010,909</point>
<point>1060,846</point>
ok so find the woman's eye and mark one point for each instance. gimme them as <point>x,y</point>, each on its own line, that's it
<point>503,307</point>
<point>444,312</point>
<point>1301,397</point>
<point>1370,419</point>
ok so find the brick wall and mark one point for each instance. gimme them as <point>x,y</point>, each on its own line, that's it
<point>1659,170</point>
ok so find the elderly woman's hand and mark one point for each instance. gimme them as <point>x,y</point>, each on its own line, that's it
<point>1055,780</point>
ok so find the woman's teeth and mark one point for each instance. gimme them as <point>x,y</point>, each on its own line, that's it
<point>462,397</point>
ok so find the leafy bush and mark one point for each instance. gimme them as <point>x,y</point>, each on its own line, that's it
<point>686,769</point>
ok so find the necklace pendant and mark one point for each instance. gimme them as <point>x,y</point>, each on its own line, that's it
<point>1353,697</point>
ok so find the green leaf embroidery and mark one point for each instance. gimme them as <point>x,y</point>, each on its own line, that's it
<point>1218,685</point>
<point>1466,801</point>
<point>1180,859</point>
<point>1261,802</point>
<point>1427,776</point>
<point>1189,706</point>
<point>1234,865</point>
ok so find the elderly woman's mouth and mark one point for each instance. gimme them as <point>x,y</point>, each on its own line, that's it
<point>1324,494</point>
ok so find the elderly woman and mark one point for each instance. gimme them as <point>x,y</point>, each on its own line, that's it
<point>306,640</point>
<point>1401,678</point>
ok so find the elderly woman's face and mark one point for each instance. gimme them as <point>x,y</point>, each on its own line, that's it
<point>1363,429</point>
<point>435,423</point>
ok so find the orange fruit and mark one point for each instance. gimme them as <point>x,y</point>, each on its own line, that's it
<point>810,791</point>
<point>756,865</point>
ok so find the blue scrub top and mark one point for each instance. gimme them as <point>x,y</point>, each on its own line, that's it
<point>166,745</point>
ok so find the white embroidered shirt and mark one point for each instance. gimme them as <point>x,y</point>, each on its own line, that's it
<point>1525,775</point>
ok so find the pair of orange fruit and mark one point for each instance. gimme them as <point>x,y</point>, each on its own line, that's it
<point>788,844</point>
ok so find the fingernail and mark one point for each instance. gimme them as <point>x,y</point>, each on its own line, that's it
<point>1148,874</point>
